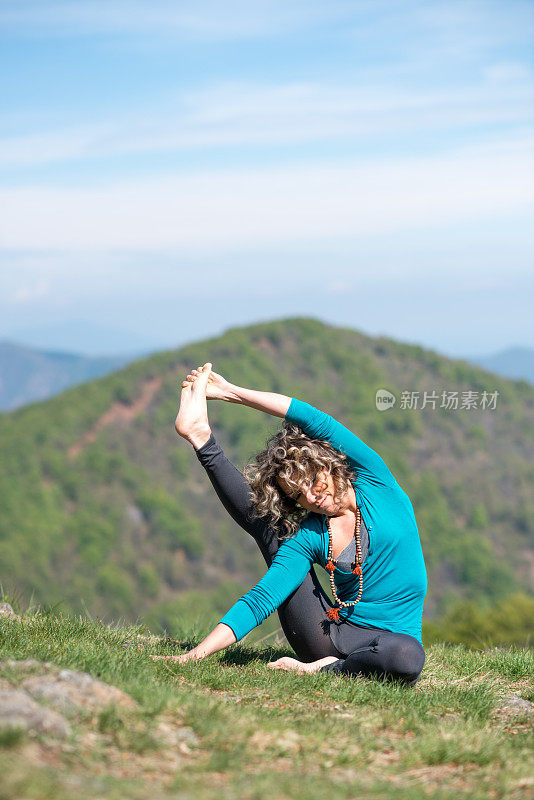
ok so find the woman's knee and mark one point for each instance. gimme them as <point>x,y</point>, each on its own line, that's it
<point>405,659</point>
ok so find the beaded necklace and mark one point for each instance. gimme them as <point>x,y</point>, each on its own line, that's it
<point>333,613</point>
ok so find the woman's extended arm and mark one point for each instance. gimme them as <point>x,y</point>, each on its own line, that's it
<point>319,425</point>
<point>286,573</point>
<point>219,388</point>
<point>270,402</point>
<point>313,422</point>
<point>220,637</point>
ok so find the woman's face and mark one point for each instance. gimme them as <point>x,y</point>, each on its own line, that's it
<point>320,497</point>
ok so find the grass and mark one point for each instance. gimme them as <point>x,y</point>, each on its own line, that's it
<point>243,730</point>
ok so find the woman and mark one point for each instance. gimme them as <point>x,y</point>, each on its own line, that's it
<point>318,494</point>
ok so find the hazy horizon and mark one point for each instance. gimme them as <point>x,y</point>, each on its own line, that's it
<point>93,334</point>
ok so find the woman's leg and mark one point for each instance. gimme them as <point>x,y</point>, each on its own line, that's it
<point>377,653</point>
<point>302,615</point>
<point>234,493</point>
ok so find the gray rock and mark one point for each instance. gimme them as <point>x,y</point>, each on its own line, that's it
<point>7,612</point>
<point>71,691</point>
<point>28,665</point>
<point>134,515</point>
<point>18,710</point>
<point>177,736</point>
<point>514,703</point>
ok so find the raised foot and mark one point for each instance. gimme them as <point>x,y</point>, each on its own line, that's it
<point>192,421</point>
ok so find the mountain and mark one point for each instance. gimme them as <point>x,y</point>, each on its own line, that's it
<point>105,508</point>
<point>87,337</point>
<point>27,375</point>
<point>514,362</point>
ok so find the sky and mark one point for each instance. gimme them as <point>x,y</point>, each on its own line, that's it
<point>169,170</point>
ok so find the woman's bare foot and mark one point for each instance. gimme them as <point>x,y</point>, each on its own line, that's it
<point>192,421</point>
<point>291,664</point>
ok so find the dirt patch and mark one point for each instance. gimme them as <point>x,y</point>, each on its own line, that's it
<point>118,413</point>
<point>461,778</point>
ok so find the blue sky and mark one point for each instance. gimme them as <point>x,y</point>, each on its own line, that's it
<point>171,169</point>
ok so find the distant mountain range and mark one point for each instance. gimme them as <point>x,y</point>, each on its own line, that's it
<point>28,375</point>
<point>514,362</point>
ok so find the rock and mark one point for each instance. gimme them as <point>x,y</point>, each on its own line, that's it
<point>177,736</point>
<point>7,612</point>
<point>517,704</point>
<point>71,691</point>
<point>28,665</point>
<point>18,710</point>
<point>135,515</point>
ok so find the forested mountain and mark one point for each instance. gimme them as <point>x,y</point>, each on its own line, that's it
<point>104,508</point>
<point>27,374</point>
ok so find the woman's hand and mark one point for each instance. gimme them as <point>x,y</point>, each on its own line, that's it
<point>181,659</point>
<point>218,388</point>
<point>220,637</point>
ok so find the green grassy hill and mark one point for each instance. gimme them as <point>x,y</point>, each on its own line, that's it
<point>103,508</point>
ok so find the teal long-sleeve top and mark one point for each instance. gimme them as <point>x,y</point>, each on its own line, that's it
<point>394,573</point>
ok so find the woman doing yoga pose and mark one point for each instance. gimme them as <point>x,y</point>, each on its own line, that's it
<point>317,494</point>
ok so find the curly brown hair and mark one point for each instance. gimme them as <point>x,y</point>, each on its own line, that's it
<point>296,458</point>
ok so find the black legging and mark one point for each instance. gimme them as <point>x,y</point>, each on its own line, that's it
<point>367,651</point>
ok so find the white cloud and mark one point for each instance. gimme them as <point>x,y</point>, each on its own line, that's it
<point>69,143</point>
<point>509,72</point>
<point>263,115</point>
<point>473,28</point>
<point>29,293</point>
<point>210,212</point>
<point>201,19</point>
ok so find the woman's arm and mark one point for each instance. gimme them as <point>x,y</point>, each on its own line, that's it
<point>289,568</point>
<point>219,388</point>
<point>313,422</point>
<point>220,637</point>
<point>319,425</point>
<point>270,402</point>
